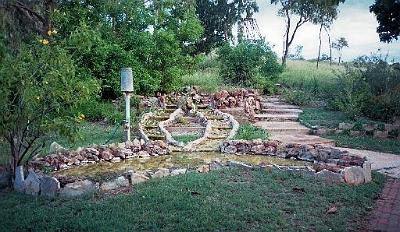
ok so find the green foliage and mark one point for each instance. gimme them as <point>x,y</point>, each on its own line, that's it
<point>105,36</point>
<point>250,132</point>
<point>248,64</point>
<point>218,19</point>
<point>351,93</point>
<point>39,91</point>
<point>387,14</point>
<point>164,205</point>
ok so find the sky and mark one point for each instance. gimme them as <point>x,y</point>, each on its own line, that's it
<point>354,22</point>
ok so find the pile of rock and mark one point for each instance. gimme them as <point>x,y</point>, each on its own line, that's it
<point>236,98</point>
<point>107,153</point>
<point>255,147</point>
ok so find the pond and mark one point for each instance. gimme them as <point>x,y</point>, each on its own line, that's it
<point>175,160</point>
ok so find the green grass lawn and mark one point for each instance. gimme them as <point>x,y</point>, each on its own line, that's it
<point>319,117</point>
<point>250,132</point>
<point>367,143</point>
<point>90,133</point>
<point>225,200</point>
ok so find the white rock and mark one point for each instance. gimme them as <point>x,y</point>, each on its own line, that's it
<point>354,175</point>
<point>114,184</point>
<point>32,183</point>
<point>19,181</point>
<point>367,171</point>
<point>178,171</point>
<point>49,186</point>
<point>78,188</point>
<point>136,178</point>
<point>162,172</point>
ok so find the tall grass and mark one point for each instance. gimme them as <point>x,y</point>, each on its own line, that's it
<point>307,83</point>
<point>208,80</point>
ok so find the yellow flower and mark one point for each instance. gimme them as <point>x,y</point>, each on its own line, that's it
<point>45,82</point>
<point>53,32</point>
<point>37,98</point>
<point>44,41</point>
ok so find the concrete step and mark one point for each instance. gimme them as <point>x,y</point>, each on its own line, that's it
<point>281,111</point>
<point>277,117</point>
<point>278,106</point>
<point>283,127</point>
<point>302,139</point>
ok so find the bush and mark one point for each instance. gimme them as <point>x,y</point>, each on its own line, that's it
<point>250,132</point>
<point>249,64</point>
<point>351,93</point>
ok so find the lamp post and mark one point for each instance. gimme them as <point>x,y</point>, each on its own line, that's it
<point>127,89</point>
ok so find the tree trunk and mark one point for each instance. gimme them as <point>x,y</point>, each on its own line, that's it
<point>19,179</point>
<point>319,47</point>
<point>330,46</point>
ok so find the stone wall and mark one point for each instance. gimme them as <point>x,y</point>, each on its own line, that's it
<point>327,161</point>
<point>104,153</point>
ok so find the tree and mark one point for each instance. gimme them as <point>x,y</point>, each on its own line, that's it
<point>328,13</point>
<point>22,19</point>
<point>387,13</point>
<point>339,45</point>
<point>297,55</point>
<point>306,10</point>
<point>218,18</point>
<point>39,91</point>
<point>248,63</point>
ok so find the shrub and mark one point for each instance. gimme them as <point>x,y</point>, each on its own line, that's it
<point>351,93</point>
<point>248,64</point>
<point>39,92</point>
<point>250,132</point>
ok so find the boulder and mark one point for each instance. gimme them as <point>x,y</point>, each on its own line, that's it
<point>178,171</point>
<point>49,186</point>
<point>32,183</point>
<point>19,181</point>
<point>230,149</point>
<point>354,175</point>
<point>329,176</point>
<point>114,184</point>
<point>307,156</point>
<point>162,172</point>
<point>143,154</point>
<point>78,188</point>
<point>237,164</point>
<point>215,165</point>
<point>367,171</point>
<point>136,178</point>
<point>55,147</point>
<point>346,126</point>
<point>106,155</point>
<point>204,168</point>
<point>381,134</point>
<point>258,149</point>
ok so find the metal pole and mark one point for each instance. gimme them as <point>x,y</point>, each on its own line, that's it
<point>128,116</point>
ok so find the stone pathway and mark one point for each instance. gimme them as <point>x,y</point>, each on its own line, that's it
<point>282,122</point>
<point>386,213</point>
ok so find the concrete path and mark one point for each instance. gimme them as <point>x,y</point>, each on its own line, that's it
<point>281,120</point>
